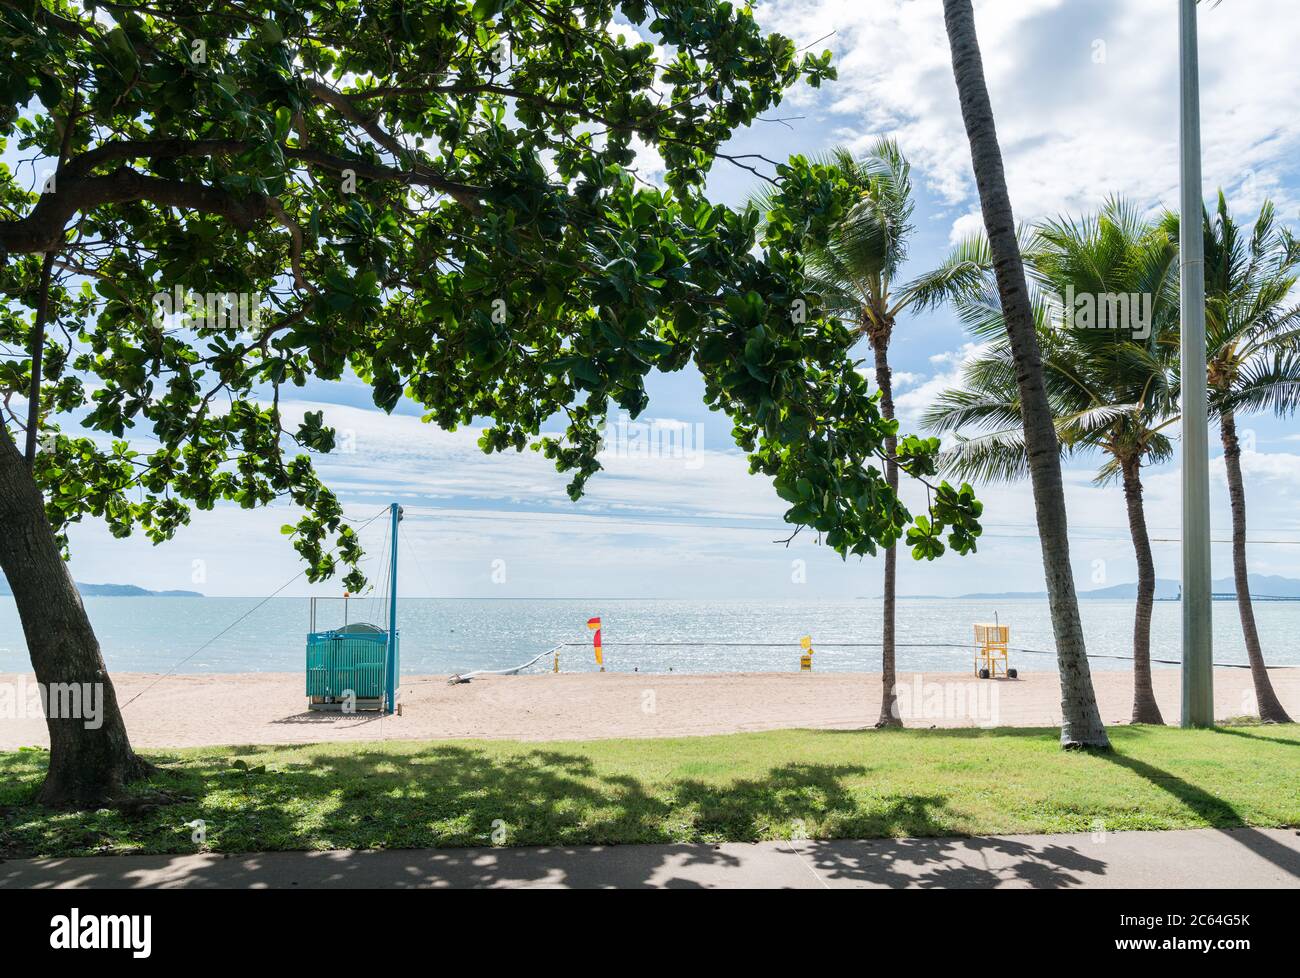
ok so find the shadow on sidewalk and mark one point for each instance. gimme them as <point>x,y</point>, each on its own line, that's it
<point>980,863</point>
<point>1214,810</point>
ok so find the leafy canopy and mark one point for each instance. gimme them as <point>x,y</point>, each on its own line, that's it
<point>438,196</point>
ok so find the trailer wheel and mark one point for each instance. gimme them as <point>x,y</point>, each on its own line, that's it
<point>984,674</point>
<point>1012,674</point>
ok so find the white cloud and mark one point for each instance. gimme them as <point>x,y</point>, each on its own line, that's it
<point>1085,96</point>
<point>657,528</point>
<point>966,226</point>
<point>1072,131</point>
<point>903,379</point>
<point>683,518</point>
<point>400,454</point>
<point>948,372</point>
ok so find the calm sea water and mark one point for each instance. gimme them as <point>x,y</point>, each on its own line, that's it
<point>447,635</point>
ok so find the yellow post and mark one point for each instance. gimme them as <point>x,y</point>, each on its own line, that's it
<point>805,660</point>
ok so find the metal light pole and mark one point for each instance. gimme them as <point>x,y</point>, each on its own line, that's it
<point>1198,669</point>
<point>392,659</point>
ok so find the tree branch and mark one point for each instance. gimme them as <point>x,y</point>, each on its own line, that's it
<point>38,350</point>
<point>426,174</point>
<point>78,190</point>
<point>43,228</point>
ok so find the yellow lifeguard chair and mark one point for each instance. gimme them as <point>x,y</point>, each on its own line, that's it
<point>805,660</point>
<point>991,651</point>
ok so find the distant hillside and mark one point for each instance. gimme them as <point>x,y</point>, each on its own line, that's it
<point>1004,595</point>
<point>1264,585</point>
<point>1261,586</point>
<point>112,591</point>
<point>130,591</point>
<point>1165,590</point>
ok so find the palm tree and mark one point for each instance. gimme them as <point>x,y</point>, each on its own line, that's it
<point>1253,343</point>
<point>855,274</point>
<point>1081,724</point>
<point>1112,387</point>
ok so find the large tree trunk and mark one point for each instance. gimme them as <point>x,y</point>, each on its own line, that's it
<point>1270,708</point>
<point>89,763</point>
<point>889,702</point>
<point>1080,719</point>
<point>1145,709</point>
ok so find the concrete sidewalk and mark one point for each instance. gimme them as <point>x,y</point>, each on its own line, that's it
<point>1202,858</point>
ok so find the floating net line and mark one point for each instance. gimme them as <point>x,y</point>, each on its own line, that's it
<point>878,645</point>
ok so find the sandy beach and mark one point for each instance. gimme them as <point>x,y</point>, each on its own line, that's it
<point>270,708</point>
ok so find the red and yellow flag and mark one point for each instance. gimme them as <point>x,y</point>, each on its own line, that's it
<point>595,642</point>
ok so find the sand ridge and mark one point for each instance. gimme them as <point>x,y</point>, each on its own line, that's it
<point>271,708</point>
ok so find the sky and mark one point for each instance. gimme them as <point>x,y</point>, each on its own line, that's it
<point>1086,100</point>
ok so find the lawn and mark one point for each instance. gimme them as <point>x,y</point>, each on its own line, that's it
<point>782,784</point>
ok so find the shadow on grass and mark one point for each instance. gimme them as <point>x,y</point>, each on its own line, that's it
<point>1258,733</point>
<point>454,796</point>
<point>1030,733</point>
<point>1213,809</point>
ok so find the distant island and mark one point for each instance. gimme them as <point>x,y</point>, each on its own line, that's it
<point>111,591</point>
<point>1262,586</point>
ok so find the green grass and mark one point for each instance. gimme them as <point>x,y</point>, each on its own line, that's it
<point>819,784</point>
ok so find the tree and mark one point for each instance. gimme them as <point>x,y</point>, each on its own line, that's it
<point>854,271</point>
<point>435,196</point>
<point>1253,342</point>
<point>1081,724</point>
<point>1105,297</point>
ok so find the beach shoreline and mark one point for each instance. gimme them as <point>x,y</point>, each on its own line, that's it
<point>271,708</point>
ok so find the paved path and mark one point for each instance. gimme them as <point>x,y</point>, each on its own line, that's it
<point>1202,858</point>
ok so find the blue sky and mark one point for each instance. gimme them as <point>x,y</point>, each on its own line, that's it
<point>1086,102</point>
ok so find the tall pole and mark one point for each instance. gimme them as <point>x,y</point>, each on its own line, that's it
<point>1198,674</point>
<point>391,664</point>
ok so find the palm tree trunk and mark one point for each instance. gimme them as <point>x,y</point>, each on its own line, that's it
<point>90,757</point>
<point>889,716</point>
<point>1081,724</point>
<point>1145,709</point>
<point>1270,708</point>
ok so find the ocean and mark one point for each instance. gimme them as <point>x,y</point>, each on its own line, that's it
<point>442,636</point>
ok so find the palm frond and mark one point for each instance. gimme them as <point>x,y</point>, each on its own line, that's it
<point>1266,384</point>
<point>999,456</point>
<point>969,408</point>
<point>1252,325</point>
<point>965,272</point>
